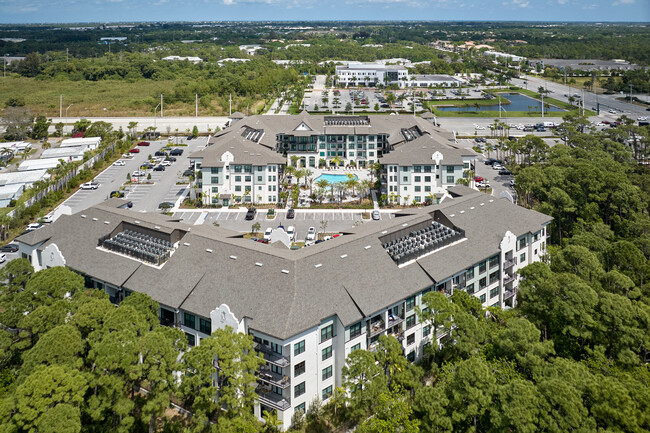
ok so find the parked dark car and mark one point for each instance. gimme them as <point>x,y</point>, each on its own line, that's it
<point>291,213</point>
<point>250,213</point>
<point>9,248</point>
<point>176,152</point>
<point>165,205</point>
<point>160,153</point>
<point>170,158</point>
<point>505,172</point>
<point>188,172</point>
<point>159,168</point>
<point>146,166</point>
<point>491,161</point>
<point>117,194</point>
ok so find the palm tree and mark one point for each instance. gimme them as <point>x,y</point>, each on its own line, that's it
<point>322,184</point>
<point>365,186</point>
<point>132,128</point>
<point>337,161</point>
<point>294,160</point>
<point>306,173</point>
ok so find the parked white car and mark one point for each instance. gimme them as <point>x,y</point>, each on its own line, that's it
<point>33,226</point>
<point>89,185</point>
<point>3,258</point>
<point>166,163</point>
<point>311,234</point>
<point>267,234</point>
<point>120,163</point>
<point>291,231</point>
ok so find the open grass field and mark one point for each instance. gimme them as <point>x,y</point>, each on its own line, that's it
<point>113,98</point>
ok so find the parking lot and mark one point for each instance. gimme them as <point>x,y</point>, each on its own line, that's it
<point>234,219</point>
<point>145,196</point>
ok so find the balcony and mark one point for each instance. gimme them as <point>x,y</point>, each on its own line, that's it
<point>394,320</point>
<point>267,376</point>
<point>509,263</point>
<point>510,293</point>
<point>272,357</point>
<point>269,398</point>
<point>507,279</point>
<point>376,328</point>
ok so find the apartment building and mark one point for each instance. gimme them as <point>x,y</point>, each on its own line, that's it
<point>422,170</point>
<point>315,140</point>
<point>306,309</point>
<point>237,169</point>
<point>372,74</point>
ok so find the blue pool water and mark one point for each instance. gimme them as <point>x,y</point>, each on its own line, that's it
<point>334,178</point>
<point>518,102</point>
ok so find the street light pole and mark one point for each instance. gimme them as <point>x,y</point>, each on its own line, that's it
<point>161,105</point>
<point>154,115</point>
<point>66,115</point>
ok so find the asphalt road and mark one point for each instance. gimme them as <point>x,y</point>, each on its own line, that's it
<point>591,99</point>
<point>163,124</point>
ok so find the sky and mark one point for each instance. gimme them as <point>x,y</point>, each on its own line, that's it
<point>65,11</point>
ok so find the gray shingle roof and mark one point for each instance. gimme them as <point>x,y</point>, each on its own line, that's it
<point>420,151</point>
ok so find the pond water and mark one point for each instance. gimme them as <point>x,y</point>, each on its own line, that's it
<point>518,102</point>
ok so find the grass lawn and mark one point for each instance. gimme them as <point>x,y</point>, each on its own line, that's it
<point>110,98</point>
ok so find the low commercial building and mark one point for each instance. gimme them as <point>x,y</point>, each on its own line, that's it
<point>38,164</point>
<point>68,154</point>
<point>13,184</point>
<point>306,309</point>
<point>191,59</point>
<point>91,143</point>
<point>434,81</point>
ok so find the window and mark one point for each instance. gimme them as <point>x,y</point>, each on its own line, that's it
<point>418,179</point>
<point>410,321</point>
<point>237,187</point>
<point>247,179</point>
<point>418,188</point>
<point>522,243</point>
<point>205,326</point>
<point>494,277</point>
<point>327,372</point>
<point>450,179</point>
<point>482,283</point>
<point>482,267</point>
<point>299,389</point>
<point>276,369</point>
<point>410,303</point>
<point>237,178</point>
<point>327,353</point>
<point>355,347</point>
<point>410,339</point>
<point>482,299</point>
<point>426,331</point>
<point>470,289</point>
<point>214,179</point>
<point>427,189</point>
<point>411,356</point>
<point>301,408</point>
<point>298,348</point>
<point>299,368</point>
<point>275,347</point>
<point>494,261</point>
<point>494,292</point>
<point>191,339</point>
<point>189,320</point>
<point>470,273</point>
<point>355,330</point>
<point>450,169</point>
<point>327,393</point>
<point>522,257</point>
<point>327,333</point>
<point>259,178</point>
<point>405,179</point>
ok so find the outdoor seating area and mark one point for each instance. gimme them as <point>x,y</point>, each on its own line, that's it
<point>420,242</point>
<point>140,246</point>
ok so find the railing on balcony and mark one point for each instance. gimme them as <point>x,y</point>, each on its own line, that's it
<point>394,319</point>
<point>510,293</point>
<point>509,263</point>
<point>376,328</point>
<point>507,279</point>
<point>269,398</point>
<point>166,321</point>
<point>271,356</point>
<point>265,375</point>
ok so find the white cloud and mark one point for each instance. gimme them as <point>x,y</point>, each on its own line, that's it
<point>517,3</point>
<point>623,2</point>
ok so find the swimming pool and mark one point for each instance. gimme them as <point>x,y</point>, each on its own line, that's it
<point>335,178</point>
